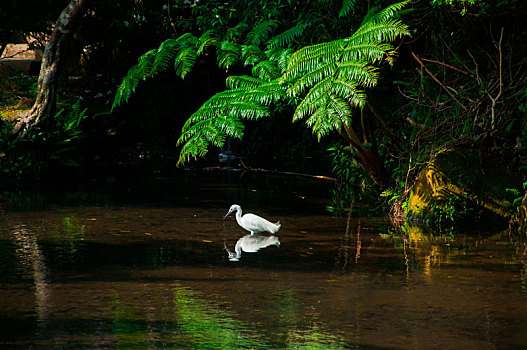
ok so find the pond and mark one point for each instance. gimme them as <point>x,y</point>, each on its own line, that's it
<point>149,264</point>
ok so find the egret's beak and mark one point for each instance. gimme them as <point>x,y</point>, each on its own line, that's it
<point>228,213</point>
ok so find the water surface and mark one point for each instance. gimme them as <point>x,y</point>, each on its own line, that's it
<point>143,264</point>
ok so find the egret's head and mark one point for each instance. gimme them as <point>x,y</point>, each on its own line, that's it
<point>234,207</point>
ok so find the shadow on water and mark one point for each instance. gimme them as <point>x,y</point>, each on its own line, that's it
<point>153,265</point>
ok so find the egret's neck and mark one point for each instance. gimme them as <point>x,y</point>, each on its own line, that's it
<point>239,216</point>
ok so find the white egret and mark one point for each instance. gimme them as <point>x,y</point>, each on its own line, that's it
<point>253,223</point>
<point>251,244</point>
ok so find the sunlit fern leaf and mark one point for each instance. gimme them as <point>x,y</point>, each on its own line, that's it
<point>218,118</point>
<point>380,31</point>
<point>184,61</point>
<point>370,52</point>
<point>188,40</point>
<point>165,55</point>
<point>260,32</point>
<point>311,57</point>
<point>389,12</point>
<point>311,78</point>
<point>248,109</point>
<point>316,96</point>
<point>281,56</point>
<point>252,54</point>
<point>209,38</point>
<point>243,81</point>
<point>339,106</point>
<point>140,71</point>
<point>324,122</point>
<point>228,54</point>
<point>285,38</point>
<point>347,7</point>
<point>266,70</point>
<point>358,71</point>
<point>350,91</point>
<point>211,131</point>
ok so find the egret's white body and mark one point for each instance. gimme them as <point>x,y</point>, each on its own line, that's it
<point>253,223</point>
<point>251,244</point>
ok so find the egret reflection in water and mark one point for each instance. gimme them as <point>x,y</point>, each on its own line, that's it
<point>251,244</point>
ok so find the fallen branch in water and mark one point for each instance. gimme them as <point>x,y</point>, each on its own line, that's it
<point>323,177</point>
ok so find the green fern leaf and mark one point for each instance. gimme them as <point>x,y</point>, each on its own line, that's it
<point>228,54</point>
<point>140,71</point>
<point>285,38</point>
<point>380,32</point>
<point>339,107</point>
<point>209,38</point>
<point>358,71</point>
<point>165,55</point>
<point>350,91</point>
<point>315,98</point>
<point>266,70</point>
<point>184,61</point>
<point>312,78</point>
<point>252,54</point>
<point>260,32</point>
<point>347,7</point>
<point>243,81</point>
<point>281,56</point>
<point>389,12</point>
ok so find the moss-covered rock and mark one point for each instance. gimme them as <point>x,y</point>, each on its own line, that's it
<point>455,185</point>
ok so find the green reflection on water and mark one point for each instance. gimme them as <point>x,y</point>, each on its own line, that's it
<point>192,322</point>
<point>207,326</point>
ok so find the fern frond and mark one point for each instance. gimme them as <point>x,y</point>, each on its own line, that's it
<point>140,71</point>
<point>358,71</point>
<point>314,99</point>
<point>323,122</point>
<point>212,131</point>
<point>372,52</point>
<point>243,81</point>
<point>285,38</point>
<point>266,70</point>
<point>347,7</point>
<point>165,55</point>
<point>311,78</point>
<point>184,61</point>
<point>252,54</point>
<point>209,38</point>
<point>312,57</point>
<point>228,54</point>
<point>339,107</point>
<point>389,12</point>
<point>332,75</point>
<point>350,91</point>
<point>260,32</point>
<point>187,40</point>
<point>380,32</point>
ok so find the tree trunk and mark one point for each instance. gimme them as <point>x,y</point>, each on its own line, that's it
<point>366,153</point>
<point>46,101</point>
<point>371,163</point>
